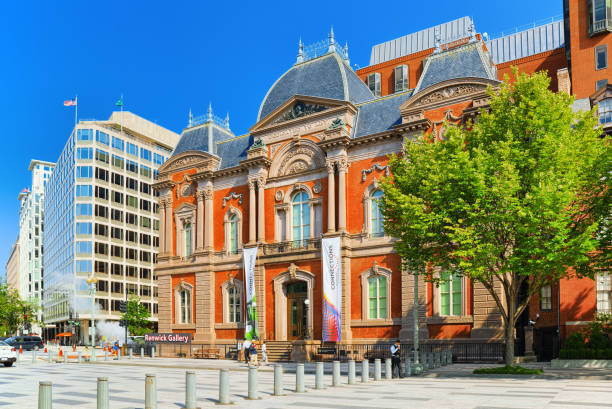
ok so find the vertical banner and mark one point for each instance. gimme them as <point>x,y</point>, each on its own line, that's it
<point>332,288</point>
<point>249,255</point>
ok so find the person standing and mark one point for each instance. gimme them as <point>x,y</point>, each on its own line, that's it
<point>253,354</point>
<point>395,359</point>
<point>246,346</point>
<point>264,353</point>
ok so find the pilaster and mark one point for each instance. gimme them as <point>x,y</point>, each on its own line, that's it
<point>205,305</point>
<point>331,197</point>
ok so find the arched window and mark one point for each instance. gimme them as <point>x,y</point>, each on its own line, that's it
<point>376,214</point>
<point>451,294</point>
<point>187,230</point>
<point>233,233</point>
<point>183,303</point>
<point>377,297</point>
<point>301,218</point>
<point>234,295</point>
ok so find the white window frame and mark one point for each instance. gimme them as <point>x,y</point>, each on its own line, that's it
<point>604,293</point>
<point>367,210</point>
<point>376,270</point>
<point>437,304</point>
<point>302,225</point>
<point>225,290</point>
<point>373,81</point>
<point>400,84</point>
<point>227,222</point>
<point>284,215</point>
<point>179,308</point>
<point>186,213</point>
<point>598,49</point>
<point>546,298</point>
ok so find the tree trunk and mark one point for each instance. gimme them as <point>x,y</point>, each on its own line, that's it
<point>509,342</point>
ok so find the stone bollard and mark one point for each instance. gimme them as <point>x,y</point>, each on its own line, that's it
<point>79,357</point>
<point>424,360</point>
<point>130,353</point>
<point>50,356</point>
<point>388,368</point>
<point>150,392</point>
<point>190,390</point>
<point>377,369</point>
<point>92,357</point>
<point>66,358</point>
<point>224,398</point>
<point>299,378</point>
<point>407,369</point>
<point>252,384</point>
<point>278,380</point>
<point>351,372</point>
<point>152,352</point>
<point>142,353</point>
<point>44,395</point>
<point>34,358</point>
<point>438,359</point>
<point>443,358</point>
<point>336,373</point>
<point>319,374</point>
<point>106,355</point>
<point>103,398</point>
<point>118,354</point>
<point>365,370</point>
<point>449,358</point>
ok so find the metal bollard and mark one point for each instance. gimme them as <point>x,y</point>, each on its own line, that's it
<point>190,390</point>
<point>424,361</point>
<point>118,354</point>
<point>319,375</point>
<point>450,357</point>
<point>66,358</point>
<point>141,353</point>
<point>438,359</point>
<point>365,370</point>
<point>105,355</point>
<point>150,392</point>
<point>152,352</point>
<point>34,358</point>
<point>92,357</point>
<point>44,395</point>
<point>430,364</point>
<point>103,398</point>
<point>351,372</point>
<point>407,370</point>
<point>130,353</point>
<point>377,365</point>
<point>336,373</point>
<point>79,357</point>
<point>299,378</point>
<point>50,356</point>
<point>388,368</point>
<point>253,383</point>
<point>278,380</point>
<point>224,398</point>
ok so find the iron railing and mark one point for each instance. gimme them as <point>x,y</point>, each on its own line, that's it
<point>294,245</point>
<point>226,351</point>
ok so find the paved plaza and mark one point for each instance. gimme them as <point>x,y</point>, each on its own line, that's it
<point>74,386</point>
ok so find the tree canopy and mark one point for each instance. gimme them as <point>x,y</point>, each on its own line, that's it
<point>522,194</point>
<point>12,309</point>
<point>137,316</point>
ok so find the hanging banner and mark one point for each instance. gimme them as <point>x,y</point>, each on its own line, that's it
<point>332,288</point>
<point>249,255</point>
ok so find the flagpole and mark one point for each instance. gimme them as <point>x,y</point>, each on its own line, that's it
<point>121,120</point>
<point>76,109</point>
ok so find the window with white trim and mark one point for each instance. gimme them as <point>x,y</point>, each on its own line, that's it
<point>232,301</point>
<point>603,293</point>
<point>604,111</point>
<point>233,231</point>
<point>233,227</point>
<point>300,218</point>
<point>377,297</point>
<point>601,57</point>
<point>400,74</point>
<point>373,81</point>
<point>187,230</point>
<point>183,303</point>
<point>451,294</point>
<point>546,298</point>
<point>376,215</point>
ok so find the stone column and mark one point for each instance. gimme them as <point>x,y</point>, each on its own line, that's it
<point>208,204</point>
<point>331,198</point>
<point>162,226</point>
<point>407,330</point>
<point>345,331</point>
<point>200,220</point>
<point>169,239</point>
<point>205,305</point>
<point>164,299</point>
<point>342,171</point>
<point>261,226</point>
<point>252,231</point>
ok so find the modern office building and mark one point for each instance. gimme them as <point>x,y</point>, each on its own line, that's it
<point>101,220</point>
<point>12,267</point>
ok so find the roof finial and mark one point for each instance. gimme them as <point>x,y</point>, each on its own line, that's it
<point>332,41</point>
<point>226,123</point>
<point>472,32</point>
<point>190,117</point>
<point>437,43</point>
<point>210,114</point>
<point>345,54</point>
<point>300,57</point>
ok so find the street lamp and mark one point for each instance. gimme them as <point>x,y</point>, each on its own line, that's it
<point>92,292</point>
<point>307,305</point>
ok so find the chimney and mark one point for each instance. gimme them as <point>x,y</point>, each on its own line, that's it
<point>563,80</point>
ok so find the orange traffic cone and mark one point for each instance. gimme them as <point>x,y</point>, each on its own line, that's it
<point>61,352</point>
<point>73,348</point>
<point>45,349</point>
<point>20,349</point>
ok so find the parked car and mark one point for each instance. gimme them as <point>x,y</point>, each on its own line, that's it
<point>8,354</point>
<point>26,342</point>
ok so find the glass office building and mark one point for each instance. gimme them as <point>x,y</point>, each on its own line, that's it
<point>101,219</point>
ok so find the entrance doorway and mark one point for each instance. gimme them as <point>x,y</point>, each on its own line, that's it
<point>297,293</point>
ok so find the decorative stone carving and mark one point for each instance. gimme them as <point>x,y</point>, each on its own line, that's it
<point>231,280</point>
<point>252,183</point>
<point>298,110</point>
<point>342,164</point>
<point>208,194</point>
<point>231,196</point>
<point>376,166</point>
<point>304,161</point>
<point>317,187</point>
<point>449,92</point>
<point>336,123</point>
<point>186,189</point>
<point>297,166</point>
<point>330,165</point>
<point>258,143</point>
<point>274,148</point>
<point>278,195</point>
<point>293,271</point>
<point>200,195</point>
<point>261,182</point>
<point>187,160</point>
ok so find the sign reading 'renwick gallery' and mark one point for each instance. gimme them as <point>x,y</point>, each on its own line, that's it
<point>168,338</point>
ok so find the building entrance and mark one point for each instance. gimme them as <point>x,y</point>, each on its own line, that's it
<point>297,293</point>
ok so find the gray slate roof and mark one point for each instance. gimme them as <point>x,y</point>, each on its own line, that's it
<point>234,150</point>
<point>327,77</point>
<point>202,138</point>
<point>468,60</point>
<point>379,115</point>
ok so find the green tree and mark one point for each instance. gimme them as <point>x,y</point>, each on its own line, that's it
<point>137,316</point>
<point>522,195</point>
<point>12,310</point>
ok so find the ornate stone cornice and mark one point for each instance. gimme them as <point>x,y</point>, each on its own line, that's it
<point>329,164</point>
<point>208,193</point>
<point>164,184</point>
<point>343,164</point>
<point>334,138</point>
<point>252,183</point>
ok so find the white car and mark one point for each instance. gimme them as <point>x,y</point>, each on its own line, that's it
<point>8,354</point>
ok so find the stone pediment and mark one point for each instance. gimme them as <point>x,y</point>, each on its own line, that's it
<point>189,159</point>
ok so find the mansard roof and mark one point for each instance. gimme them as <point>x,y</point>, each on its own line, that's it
<point>327,76</point>
<point>202,138</point>
<point>469,60</point>
<point>379,115</point>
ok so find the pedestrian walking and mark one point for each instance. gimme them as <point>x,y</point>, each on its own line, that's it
<point>264,353</point>
<point>246,347</point>
<point>396,359</point>
<point>253,354</point>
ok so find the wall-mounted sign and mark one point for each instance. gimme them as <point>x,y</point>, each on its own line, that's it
<point>168,338</point>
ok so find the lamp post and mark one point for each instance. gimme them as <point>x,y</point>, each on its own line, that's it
<point>252,319</point>
<point>306,305</point>
<point>92,292</point>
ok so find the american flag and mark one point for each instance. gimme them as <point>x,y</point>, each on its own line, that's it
<point>70,103</point>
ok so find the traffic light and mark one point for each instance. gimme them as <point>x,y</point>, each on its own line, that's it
<point>70,315</point>
<point>123,323</point>
<point>123,306</point>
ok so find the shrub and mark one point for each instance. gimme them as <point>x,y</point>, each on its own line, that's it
<point>508,370</point>
<point>594,342</point>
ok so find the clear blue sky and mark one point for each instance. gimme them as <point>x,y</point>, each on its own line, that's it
<point>168,57</point>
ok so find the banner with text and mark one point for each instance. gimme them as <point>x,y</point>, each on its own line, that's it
<point>332,288</point>
<point>249,255</point>
<point>168,338</point>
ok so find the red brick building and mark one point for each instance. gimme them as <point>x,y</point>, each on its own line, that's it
<point>309,168</point>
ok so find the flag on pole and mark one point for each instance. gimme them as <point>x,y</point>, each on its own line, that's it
<point>120,102</point>
<point>70,103</point>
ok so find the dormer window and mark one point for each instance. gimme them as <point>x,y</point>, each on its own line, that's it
<point>401,78</point>
<point>599,16</point>
<point>604,110</point>
<point>374,83</point>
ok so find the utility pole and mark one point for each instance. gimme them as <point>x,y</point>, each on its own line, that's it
<point>92,292</point>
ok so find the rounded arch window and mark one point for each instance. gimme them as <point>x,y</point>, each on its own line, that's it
<point>300,207</point>
<point>376,216</point>
<point>187,229</point>
<point>233,233</point>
